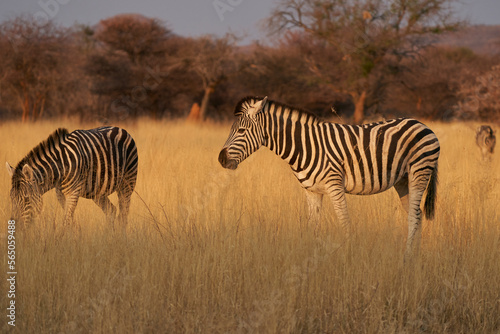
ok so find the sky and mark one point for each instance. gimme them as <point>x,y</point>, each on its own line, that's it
<point>193,17</point>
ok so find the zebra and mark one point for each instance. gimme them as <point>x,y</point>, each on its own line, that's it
<point>485,140</point>
<point>334,159</point>
<point>84,163</point>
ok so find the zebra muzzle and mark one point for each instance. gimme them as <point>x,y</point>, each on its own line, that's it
<point>226,161</point>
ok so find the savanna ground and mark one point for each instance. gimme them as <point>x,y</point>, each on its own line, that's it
<point>208,250</point>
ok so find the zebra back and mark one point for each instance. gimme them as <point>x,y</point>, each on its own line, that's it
<point>371,157</point>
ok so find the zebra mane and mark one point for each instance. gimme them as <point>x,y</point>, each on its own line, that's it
<point>247,101</point>
<point>54,139</point>
<point>244,104</point>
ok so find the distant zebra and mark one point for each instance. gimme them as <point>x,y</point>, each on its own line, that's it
<point>335,159</point>
<point>485,140</point>
<point>84,163</point>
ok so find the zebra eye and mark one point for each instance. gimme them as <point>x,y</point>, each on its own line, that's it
<point>241,130</point>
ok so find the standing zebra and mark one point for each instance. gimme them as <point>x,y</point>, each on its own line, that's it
<point>485,140</point>
<point>84,163</point>
<point>335,159</point>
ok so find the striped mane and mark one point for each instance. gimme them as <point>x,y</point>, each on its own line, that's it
<point>54,139</point>
<point>246,102</point>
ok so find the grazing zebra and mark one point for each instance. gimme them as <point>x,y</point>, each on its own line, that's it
<point>84,163</point>
<point>335,159</point>
<point>486,140</point>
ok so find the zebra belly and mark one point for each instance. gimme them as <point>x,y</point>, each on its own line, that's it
<point>315,184</point>
<point>366,187</point>
<point>94,194</point>
<point>367,191</point>
<point>94,188</point>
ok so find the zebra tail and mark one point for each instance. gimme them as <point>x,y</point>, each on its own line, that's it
<point>430,198</point>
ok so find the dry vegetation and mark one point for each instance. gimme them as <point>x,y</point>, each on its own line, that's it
<point>209,250</point>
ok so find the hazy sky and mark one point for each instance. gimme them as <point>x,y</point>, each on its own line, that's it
<point>193,17</point>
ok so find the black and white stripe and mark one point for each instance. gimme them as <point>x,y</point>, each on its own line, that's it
<point>84,163</point>
<point>335,159</point>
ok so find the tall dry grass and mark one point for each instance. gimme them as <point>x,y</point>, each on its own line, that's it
<point>209,250</point>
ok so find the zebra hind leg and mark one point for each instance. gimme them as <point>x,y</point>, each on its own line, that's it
<point>402,189</point>
<point>107,207</point>
<point>417,187</point>
<point>125,191</point>
<point>124,195</point>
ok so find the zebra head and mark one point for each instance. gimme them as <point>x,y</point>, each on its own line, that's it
<point>485,140</point>
<point>247,133</point>
<point>25,194</point>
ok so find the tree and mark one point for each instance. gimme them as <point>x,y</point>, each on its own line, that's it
<point>372,37</point>
<point>213,60</point>
<point>282,73</point>
<point>32,55</point>
<point>429,86</point>
<point>480,99</point>
<point>139,37</point>
<point>131,65</point>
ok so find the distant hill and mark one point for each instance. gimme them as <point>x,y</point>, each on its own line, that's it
<point>483,39</point>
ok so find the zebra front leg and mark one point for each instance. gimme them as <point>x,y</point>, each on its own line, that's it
<point>60,197</point>
<point>314,202</point>
<point>70,206</point>
<point>337,196</point>
<point>107,207</point>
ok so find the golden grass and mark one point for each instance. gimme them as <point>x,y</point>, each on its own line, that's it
<point>209,250</point>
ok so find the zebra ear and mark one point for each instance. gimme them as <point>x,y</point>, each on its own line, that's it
<point>10,169</point>
<point>257,108</point>
<point>28,172</point>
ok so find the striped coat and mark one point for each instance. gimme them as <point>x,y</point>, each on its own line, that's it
<point>335,159</point>
<point>84,163</point>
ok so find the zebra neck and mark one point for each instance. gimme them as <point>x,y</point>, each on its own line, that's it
<point>45,169</point>
<point>43,177</point>
<point>285,131</point>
